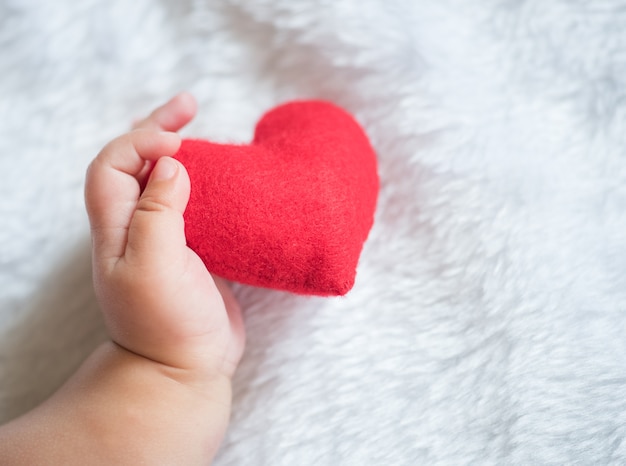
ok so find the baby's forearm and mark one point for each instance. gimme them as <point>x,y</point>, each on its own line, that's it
<point>121,408</point>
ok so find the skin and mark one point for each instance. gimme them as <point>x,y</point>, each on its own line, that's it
<point>159,392</point>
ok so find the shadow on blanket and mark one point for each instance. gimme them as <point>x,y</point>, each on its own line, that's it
<point>59,326</point>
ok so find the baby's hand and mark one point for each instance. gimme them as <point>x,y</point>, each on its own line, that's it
<point>158,299</point>
<point>159,392</point>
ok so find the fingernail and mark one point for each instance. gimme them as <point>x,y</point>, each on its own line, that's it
<point>165,169</point>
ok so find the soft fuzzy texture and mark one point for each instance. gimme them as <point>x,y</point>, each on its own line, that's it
<point>289,211</point>
<point>487,324</point>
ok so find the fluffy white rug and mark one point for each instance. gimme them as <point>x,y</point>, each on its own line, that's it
<point>488,322</point>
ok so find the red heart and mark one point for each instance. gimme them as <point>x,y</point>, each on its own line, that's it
<point>292,209</point>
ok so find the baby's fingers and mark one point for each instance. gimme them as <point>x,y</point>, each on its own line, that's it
<point>156,237</point>
<point>112,189</point>
<point>171,116</point>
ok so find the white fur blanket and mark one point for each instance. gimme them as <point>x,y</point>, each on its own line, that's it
<point>488,321</point>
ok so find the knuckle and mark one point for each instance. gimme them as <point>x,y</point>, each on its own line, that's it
<point>150,204</point>
<point>115,144</point>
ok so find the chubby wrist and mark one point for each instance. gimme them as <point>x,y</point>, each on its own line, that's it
<point>121,408</point>
<point>149,410</point>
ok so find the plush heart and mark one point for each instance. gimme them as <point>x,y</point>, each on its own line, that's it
<point>292,209</point>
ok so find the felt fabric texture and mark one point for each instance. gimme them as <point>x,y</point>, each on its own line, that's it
<point>487,322</point>
<point>292,209</point>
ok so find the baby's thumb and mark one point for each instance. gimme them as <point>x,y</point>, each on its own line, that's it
<point>156,234</point>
